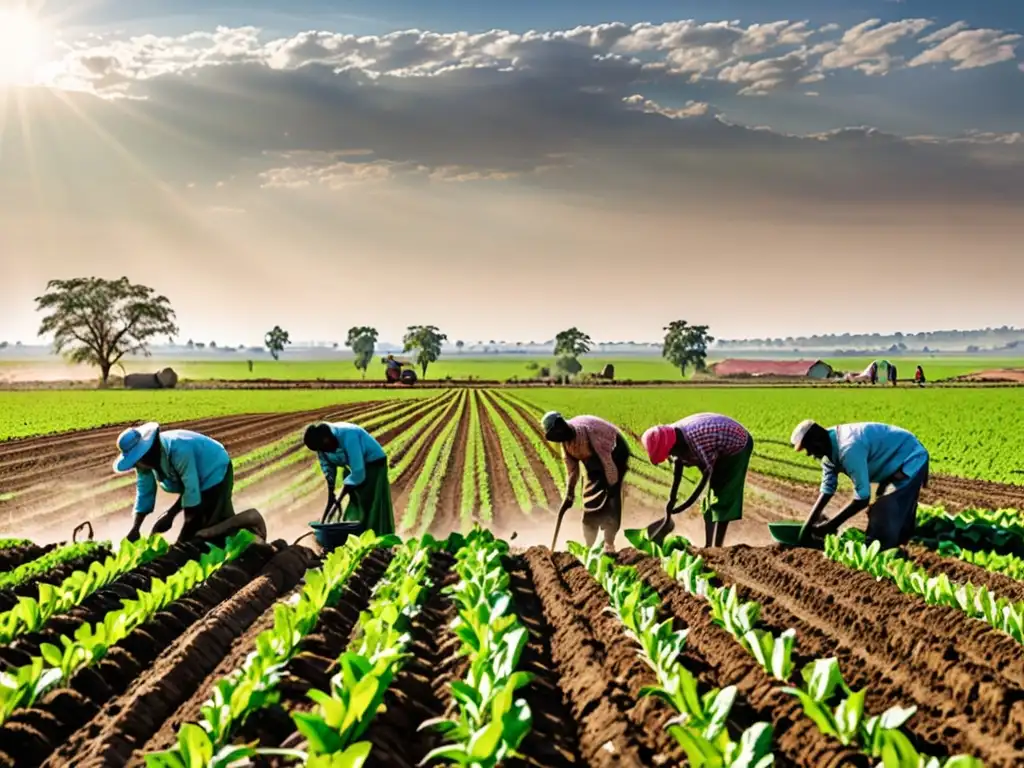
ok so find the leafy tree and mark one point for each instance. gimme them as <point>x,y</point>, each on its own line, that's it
<point>97,322</point>
<point>459,345</point>
<point>190,344</point>
<point>425,341</point>
<point>213,345</point>
<point>275,341</point>
<point>686,345</point>
<point>362,340</point>
<point>572,343</point>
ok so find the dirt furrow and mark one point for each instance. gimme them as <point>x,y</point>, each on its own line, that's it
<point>56,575</point>
<point>29,736</point>
<point>547,482</point>
<point>448,516</point>
<point>507,514</point>
<point>963,676</point>
<point>797,740</point>
<point>962,572</point>
<point>129,721</point>
<point>420,690</point>
<point>553,741</point>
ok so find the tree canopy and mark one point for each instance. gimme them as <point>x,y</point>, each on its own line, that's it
<point>572,343</point>
<point>362,340</point>
<point>425,341</point>
<point>686,345</point>
<point>276,340</point>
<point>97,322</point>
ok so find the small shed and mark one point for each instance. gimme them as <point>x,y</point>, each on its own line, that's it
<point>804,369</point>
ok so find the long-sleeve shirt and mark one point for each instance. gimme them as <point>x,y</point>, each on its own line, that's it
<point>868,452</point>
<point>356,447</point>
<point>190,463</point>
<point>709,436</point>
<point>593,436</point>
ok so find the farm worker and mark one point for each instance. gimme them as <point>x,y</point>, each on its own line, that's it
<point>604,453</point>
<point>867,452</point>
<point>195,467</point>
<point>919,376</point>
<point>394,368</point>
<point>892,374</point>
<point>365,484</point>
<point>720,448</point>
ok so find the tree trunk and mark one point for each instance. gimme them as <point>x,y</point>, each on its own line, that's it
<point>104,375</point>
<point>423,368</point>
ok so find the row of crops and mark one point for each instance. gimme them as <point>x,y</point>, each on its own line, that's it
<point>459,651</point>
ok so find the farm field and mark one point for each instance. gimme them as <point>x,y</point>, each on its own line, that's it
<point>305,645</point>
<point>500,367</point>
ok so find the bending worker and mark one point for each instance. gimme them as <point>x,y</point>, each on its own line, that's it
<point>195,467</point>
<point>603,451</point>
<point>366,485</point>
<point>720,448</point>
<point>867,453</point>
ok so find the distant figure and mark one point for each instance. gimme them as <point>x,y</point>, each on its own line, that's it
<point>919,376</point>
<point>892,374</point>
<point>250,366</point>
<point>873,373</point>
<point>394,368</point>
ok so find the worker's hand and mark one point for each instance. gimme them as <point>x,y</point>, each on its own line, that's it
<point>163,525</point>
<point>136,530</point>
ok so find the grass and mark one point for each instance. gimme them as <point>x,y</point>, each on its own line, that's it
<point>968,432</point>
<point>23,413</point>
<point>491,367</point>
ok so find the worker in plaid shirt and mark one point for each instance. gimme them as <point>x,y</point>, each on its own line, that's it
<point>720,448</point>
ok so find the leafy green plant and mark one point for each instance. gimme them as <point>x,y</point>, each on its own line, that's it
<point>700,727</point>
<point>254,685</point>
<point>57,557</point>
<point>30,614</point>
<point>491,721</point>
<point>90,642</point>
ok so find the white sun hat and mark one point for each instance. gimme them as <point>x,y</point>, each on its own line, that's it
<point>797,438</point>
<point>133,444</point>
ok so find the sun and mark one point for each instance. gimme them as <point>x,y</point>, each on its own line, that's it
<point>20,46</point>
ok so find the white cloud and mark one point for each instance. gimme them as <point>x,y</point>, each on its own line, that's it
<point>764,75</point>
<point>868,46</point>
<point>969,48</point>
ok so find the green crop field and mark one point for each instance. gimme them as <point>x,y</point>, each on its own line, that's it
<point>24,414</point>
<point>488,368</point>
<point>965,430</point>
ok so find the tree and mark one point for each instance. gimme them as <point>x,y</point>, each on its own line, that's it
<point>362,340</point>
<point>213,345</point>
<point>572,343</point>
<point>459,345</point>
<point>190,344</point>
<point>686,345</point>
<point>97,322</point>
<point>425,341</point>
<point>275,341</point>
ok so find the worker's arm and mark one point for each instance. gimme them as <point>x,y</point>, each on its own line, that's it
<point>604,452</point>
<point>855,462</point>
<point>677,479</point>
<point>829,483</point>
<point>145,500</point>
<point>695,495</point>
<point>572,476</point>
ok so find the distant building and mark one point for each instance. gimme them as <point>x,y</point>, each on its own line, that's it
<point>805,369</point>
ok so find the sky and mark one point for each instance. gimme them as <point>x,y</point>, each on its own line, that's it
<point>509,169</point>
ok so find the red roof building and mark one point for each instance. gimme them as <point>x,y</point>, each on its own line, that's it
<point>807,369</point>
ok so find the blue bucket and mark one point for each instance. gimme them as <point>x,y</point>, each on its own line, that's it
<point>330,536</point>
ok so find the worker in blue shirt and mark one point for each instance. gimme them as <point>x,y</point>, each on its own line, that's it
<point>346,446</point>
<point>867,452</point>
<point>195,467</point>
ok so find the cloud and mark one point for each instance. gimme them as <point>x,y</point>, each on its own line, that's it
<point>868,47</point>
<point>611,109</point>
<point>968,48</point>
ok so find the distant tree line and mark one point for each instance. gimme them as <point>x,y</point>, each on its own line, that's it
<point>1004,335</point>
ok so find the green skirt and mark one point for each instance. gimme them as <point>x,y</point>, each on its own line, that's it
<point>370,501</point>
<point>723,502</point>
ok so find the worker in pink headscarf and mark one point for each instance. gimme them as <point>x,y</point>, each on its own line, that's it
<point>720,448</point>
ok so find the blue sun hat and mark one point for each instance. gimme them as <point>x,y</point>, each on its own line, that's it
<point>133,444</point>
